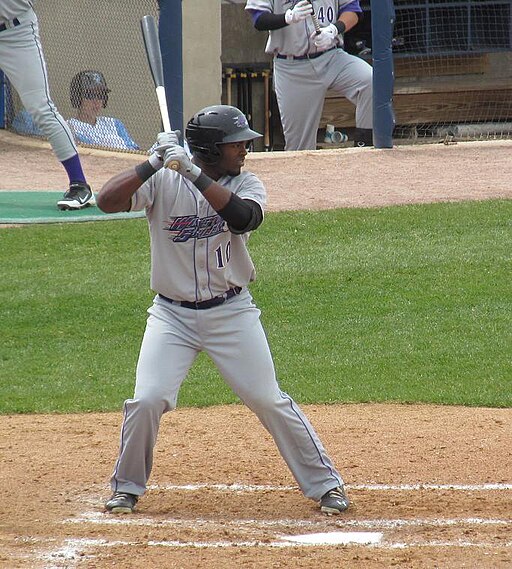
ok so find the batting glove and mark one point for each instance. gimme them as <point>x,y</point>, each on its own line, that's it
<point>299,12</point>
<point>326,38</point>
<point>176,157</point>
<point>164,140</point>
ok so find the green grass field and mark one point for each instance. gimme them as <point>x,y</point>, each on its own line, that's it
<point>406,303</point>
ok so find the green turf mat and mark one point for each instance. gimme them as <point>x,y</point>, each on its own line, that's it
<point>41,207</point>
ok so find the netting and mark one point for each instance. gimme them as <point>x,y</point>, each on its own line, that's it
<point>453,68</point>
<point>104,40</point>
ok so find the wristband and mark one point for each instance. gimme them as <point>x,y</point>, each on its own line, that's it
<point>202,182</point>
<point>340,27</point>
<point>156,161</point>
<point>145,170</point>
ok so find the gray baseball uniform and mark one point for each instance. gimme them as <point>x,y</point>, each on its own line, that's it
<point>303,74</point>
<point>196,258</point>
<point>22,61</point>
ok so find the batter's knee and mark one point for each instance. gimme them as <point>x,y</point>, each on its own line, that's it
<point>152,403</point>
<point>263,401</point>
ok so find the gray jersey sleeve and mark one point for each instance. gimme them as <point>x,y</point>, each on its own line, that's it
<point>143,197</point>
<point>251,188</point>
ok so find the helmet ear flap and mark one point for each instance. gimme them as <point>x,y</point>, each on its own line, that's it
<point>202,140</point>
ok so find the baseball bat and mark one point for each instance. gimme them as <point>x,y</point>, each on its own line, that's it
<point>229,86</point>
<point>316,23</point>
<point>266,89</point>
<point>152,46</point>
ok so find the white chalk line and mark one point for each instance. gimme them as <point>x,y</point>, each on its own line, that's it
<point>370,487</point>
<point>100,518</point>
<point>74,548</point>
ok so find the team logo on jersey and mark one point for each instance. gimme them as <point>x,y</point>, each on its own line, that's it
<point>185,227</point>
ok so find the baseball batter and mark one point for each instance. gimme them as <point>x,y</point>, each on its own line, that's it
<point>306,64</point>
<point>22,61</point>
<point>200,217</point>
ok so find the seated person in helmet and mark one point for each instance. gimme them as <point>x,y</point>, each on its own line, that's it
<point>89,95</point>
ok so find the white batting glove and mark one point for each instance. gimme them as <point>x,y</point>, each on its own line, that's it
<point>164,140</point>
<point>299,12</point>
<point>326,38</point>
<point>176,158</point>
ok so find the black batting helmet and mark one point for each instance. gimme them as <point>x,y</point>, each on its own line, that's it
<point>218,124</point>
<point>88,84</point>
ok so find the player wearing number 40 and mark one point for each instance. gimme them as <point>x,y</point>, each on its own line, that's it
<point>305,39</point>
<point>200,216</point>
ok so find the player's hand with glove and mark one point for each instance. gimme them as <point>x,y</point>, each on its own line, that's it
<point>299,12</point>
<point>327,37</point>
<point>164,141</point>
<point>177,155</point>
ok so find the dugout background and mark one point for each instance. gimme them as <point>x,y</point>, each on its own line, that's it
<point>453,65</point>
<point>106,36</point>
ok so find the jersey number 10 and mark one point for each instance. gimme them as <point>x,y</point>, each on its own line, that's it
<point>223,256</point>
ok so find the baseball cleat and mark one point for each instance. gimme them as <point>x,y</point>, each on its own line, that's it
<point>121,503</point>
<point>78,196</point>
<point>334,502</point>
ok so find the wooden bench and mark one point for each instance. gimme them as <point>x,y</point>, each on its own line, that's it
<point>471,97</point>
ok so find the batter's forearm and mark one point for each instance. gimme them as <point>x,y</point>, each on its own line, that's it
<point>241,215</point>
<point>218,196</point>
<point>349,20</point>
<point>265,21</point>
<point>116,194</point>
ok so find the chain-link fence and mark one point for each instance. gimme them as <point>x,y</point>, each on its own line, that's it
<point>98,73</point>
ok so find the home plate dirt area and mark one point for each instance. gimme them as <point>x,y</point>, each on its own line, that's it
<point>423,495</point>
<point>431,486</point>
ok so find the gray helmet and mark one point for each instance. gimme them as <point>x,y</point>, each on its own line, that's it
<point>218,124</point>
<point>88,84</point>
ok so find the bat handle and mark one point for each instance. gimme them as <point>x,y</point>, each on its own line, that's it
<point>174,165</point>
<point>316,23</point>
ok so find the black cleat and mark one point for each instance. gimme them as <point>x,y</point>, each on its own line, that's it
<point>334,502</point>
<point>78,196</point>
<point>121,503</point>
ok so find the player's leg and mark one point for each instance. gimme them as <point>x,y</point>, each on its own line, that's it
<point>168,349</point>
<point>351,77</point>
<point>300,97</point>
<point>239,348</point>
<point>23,62</point>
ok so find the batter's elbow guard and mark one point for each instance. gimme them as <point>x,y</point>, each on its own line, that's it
<point>241,215</point>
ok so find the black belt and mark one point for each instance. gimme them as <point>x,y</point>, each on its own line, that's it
<point>307,56</point>
<point>215,301</point>
<point>11,24</point>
